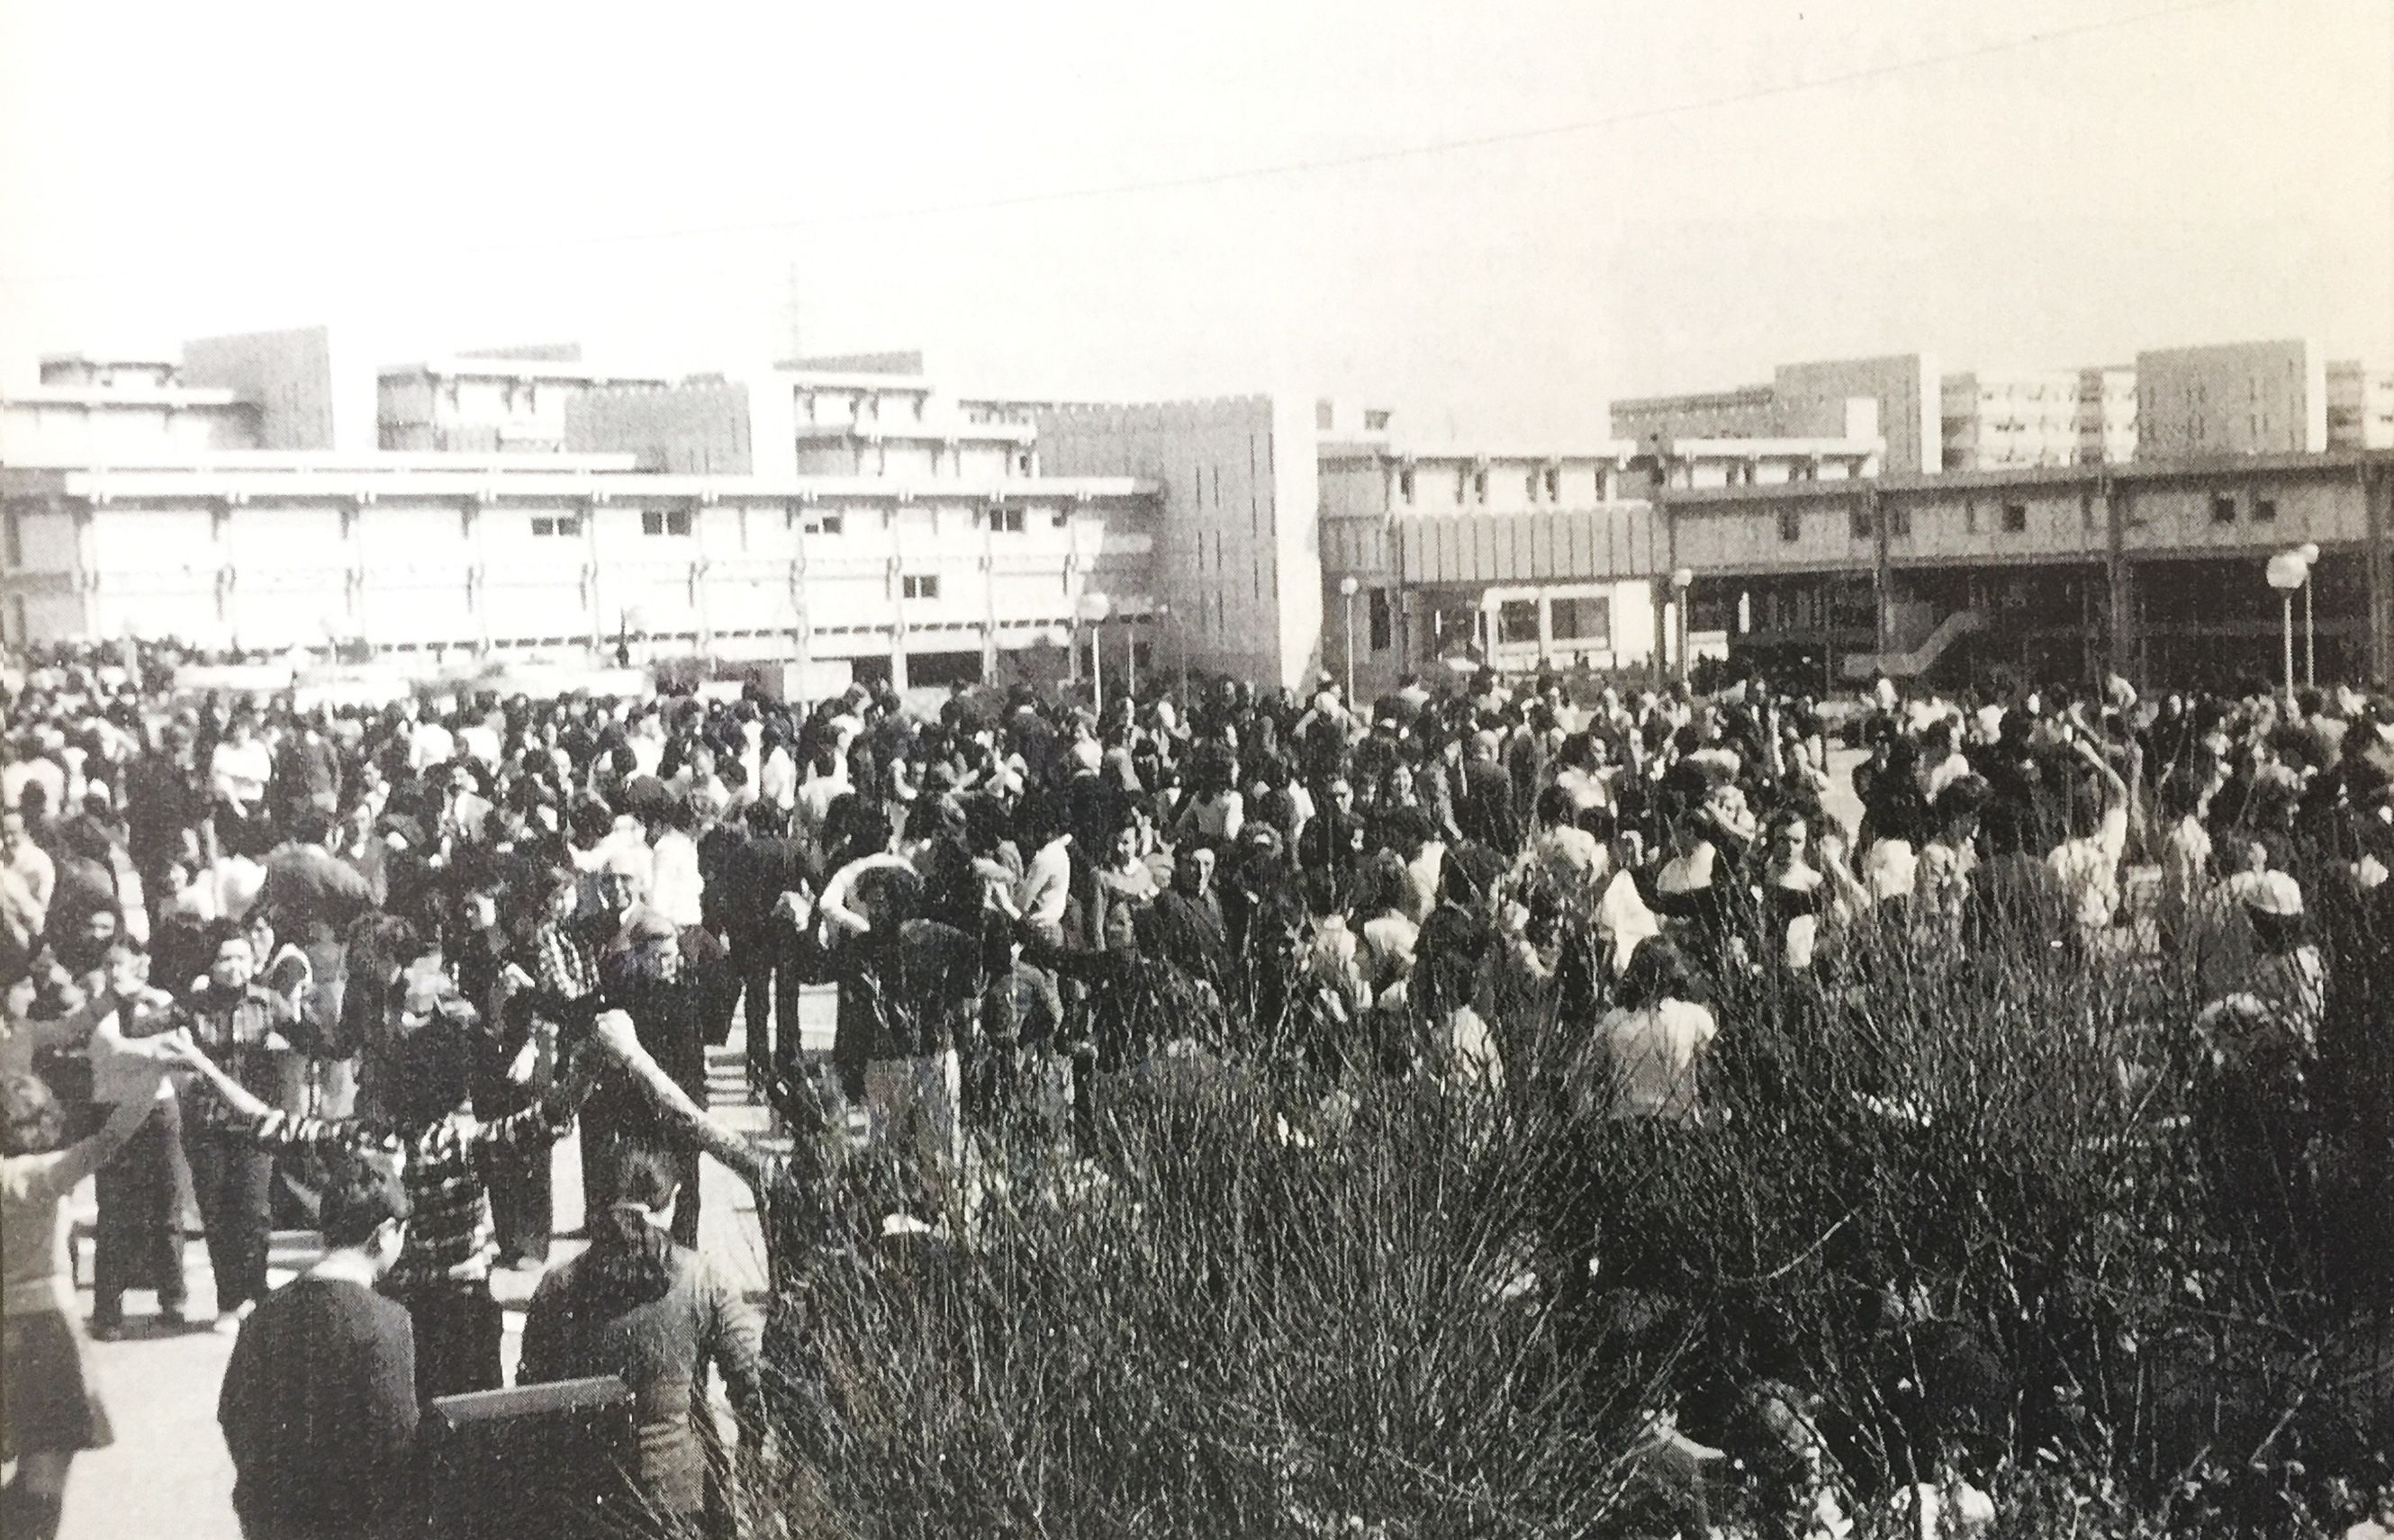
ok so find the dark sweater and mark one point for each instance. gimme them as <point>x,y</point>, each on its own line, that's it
<point>319,1411</point>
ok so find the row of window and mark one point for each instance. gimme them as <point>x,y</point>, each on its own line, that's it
<point>667,522</point>
<point>2013,518</point>
<point>1585,620</point>
<point>1471,486</point>
<point>2223,510</point>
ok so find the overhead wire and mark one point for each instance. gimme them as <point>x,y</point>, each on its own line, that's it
<point>1308,166</point>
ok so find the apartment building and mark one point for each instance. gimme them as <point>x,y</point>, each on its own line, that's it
<point>2039,418</point>
<point>850,517</point>
<point>102,410</point>
<point>2230,399</point>
<point>486,405</point>
<point>1809,400</point>
<point>2359,406</point>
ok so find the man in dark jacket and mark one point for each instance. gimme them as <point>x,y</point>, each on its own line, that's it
<point>761,866</point>
<point>1484,811</point>
<point>319,1405</point>
<point>671,996</point>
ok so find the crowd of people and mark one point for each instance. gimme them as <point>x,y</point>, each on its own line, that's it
<point>358,970</point>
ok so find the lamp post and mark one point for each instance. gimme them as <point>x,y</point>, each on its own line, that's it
<point>1347,587</point>
<point>1682,579</point>
<point>1093,609</point>
<point>2311,555</point>
<point>2286,572</point>
<point>1163,617</point>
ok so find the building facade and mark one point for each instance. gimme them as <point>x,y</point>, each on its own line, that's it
<point>2359,406</point>
<point>103,411</point>
<point>563,554</point>
<point>307,390</point>
<point>1519,557</point>
<point>826,514</point>
<point>1809,400</point>
<point>483,405</point>
<point>534,505</point>
<point>2041,418</point>
<point>2152,570</point>
<point>2230,399</point>
<point>1237,576</point>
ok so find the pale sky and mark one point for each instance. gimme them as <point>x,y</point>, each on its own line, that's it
<point>442,176</point>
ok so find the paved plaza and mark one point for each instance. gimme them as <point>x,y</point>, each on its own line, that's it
<point>167,1473</point>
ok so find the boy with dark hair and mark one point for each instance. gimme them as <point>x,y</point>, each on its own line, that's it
<point>138,1242</point>
<point>319,1402</point>
<point>245,1026</point>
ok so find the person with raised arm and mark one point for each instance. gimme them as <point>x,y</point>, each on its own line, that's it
<point>52,1412</point>
<point>443,1275</point>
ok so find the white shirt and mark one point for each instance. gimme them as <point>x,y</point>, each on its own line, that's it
<point>834,907</point>
<point>814,799</point>
<point>1943,878</point>
<point>430,744</point>
<point>674,886</point>
<point>1621,917</point>
<point>1653,1055</point>
<point>625,850</point>
<point>1954,768</point>
<point>482,743</point>
<point>46,771</point>
<point>2089,871</point>
<point>777,779</point>
<point>648,751</point>
<point>1890,868</point>
<point>1047,883</point>
<point>239,771</point>
<point>2185,858</point>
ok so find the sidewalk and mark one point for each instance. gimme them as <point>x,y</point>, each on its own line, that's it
<point>167,1473</point>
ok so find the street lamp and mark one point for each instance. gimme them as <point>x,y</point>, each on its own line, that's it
<point>1347,587</point>
<point>1179,643</point>
<point>2286,572</point>
<point>2311,555</point>
<point>1682,579</point>
<point>1093,609</point>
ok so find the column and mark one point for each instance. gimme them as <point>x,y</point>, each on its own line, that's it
<point>1882,585</point>
<point>1659,590</point>
<point>2377,559</point>
<point>2126,651</point>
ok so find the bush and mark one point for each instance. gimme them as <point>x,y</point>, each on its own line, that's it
<point>1974,1205</point>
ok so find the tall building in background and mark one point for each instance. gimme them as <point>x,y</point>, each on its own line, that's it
<point>2038,417</point>
<point>1240,555</point>
<point>308,392</point>
<point>2106,415</point>
<point>103,410</point>
<point>838,519</point>
<point>2230,399</point>
<point>484,404</point>
<point>2359,406</point>
<point>1808,400</point>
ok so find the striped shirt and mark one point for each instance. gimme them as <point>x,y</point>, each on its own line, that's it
<point>565,964</point>
<point>451,1238</point>
<point>246,1032</point>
